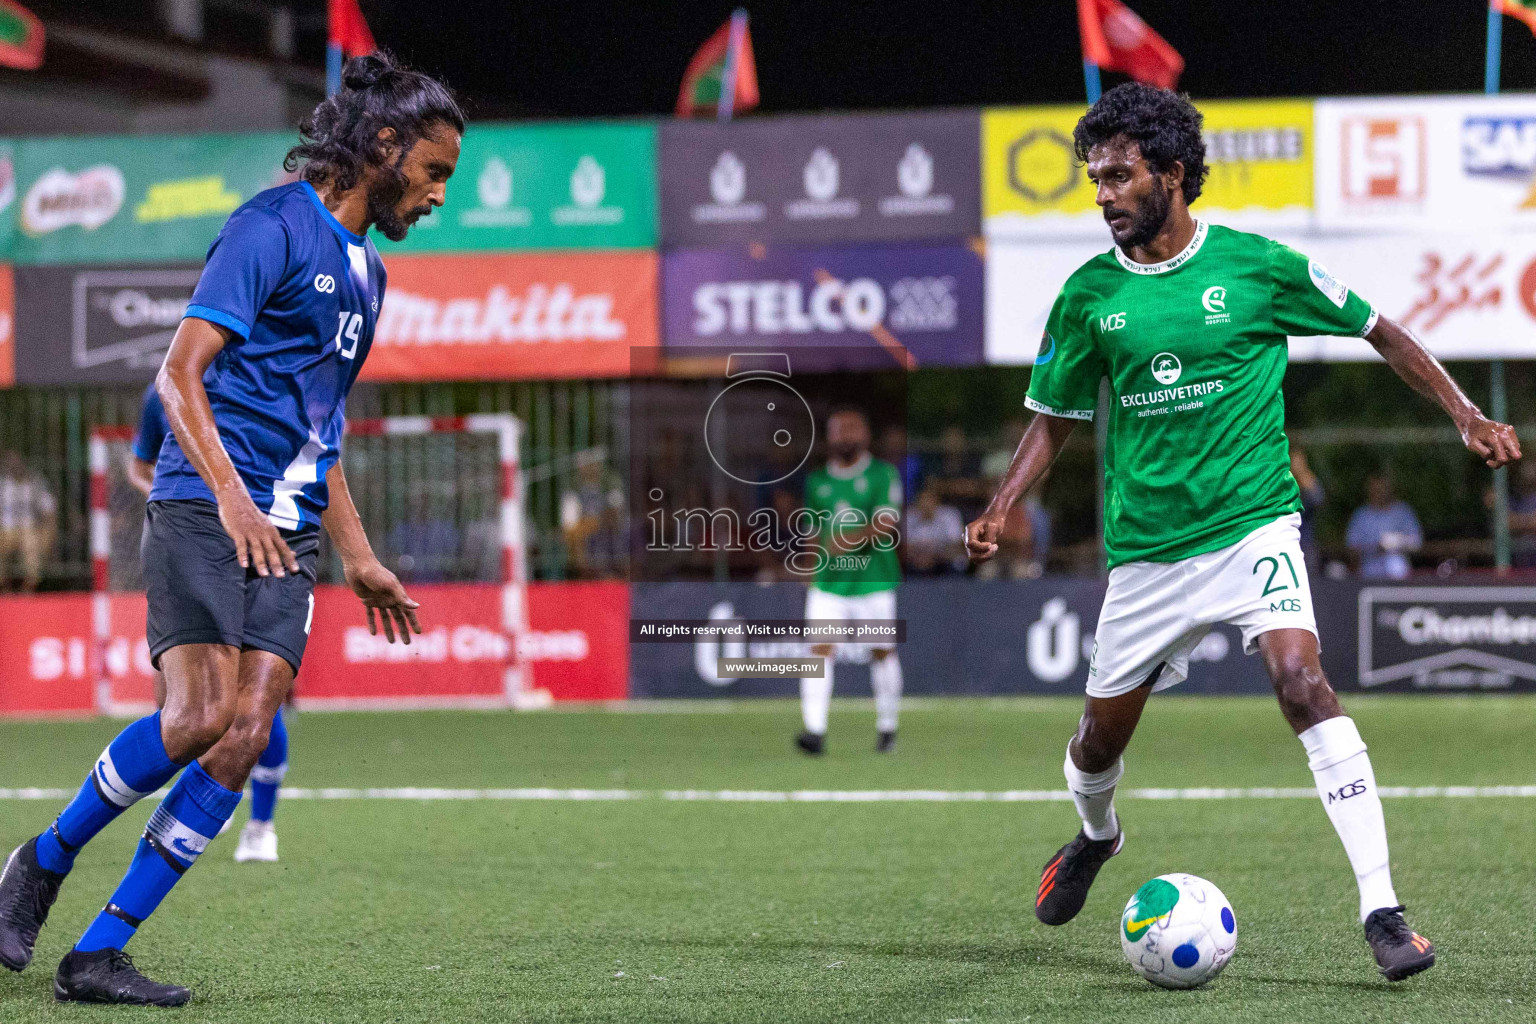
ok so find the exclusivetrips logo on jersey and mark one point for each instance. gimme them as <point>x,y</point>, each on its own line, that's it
<point>1167,369</point>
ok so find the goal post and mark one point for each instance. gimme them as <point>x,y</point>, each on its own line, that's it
<point>441,499</point>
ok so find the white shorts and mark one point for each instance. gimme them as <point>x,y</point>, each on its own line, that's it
<point>850,608</point>
<point>1156,612</point>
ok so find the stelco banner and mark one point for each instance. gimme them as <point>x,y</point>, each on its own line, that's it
<point>1260,156</point>
<point>825,178</point>
<point>106,324</point>
<point>924,299</point>
<point>1448,162</point>
<point>589,186</point>
<point>514,316</point>
<point>140,199</point>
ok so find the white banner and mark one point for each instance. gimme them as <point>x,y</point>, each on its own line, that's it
<point>1430,162</point>
<point>1468,296</point>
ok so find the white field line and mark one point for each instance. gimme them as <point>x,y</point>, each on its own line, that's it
<point>825,796</point>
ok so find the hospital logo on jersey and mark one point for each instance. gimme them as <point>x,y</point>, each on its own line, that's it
<point>1215,302</point>
<point>1326,283</point>
<point>1166,367</point>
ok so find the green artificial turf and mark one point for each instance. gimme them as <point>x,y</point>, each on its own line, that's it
<point>655,910</point>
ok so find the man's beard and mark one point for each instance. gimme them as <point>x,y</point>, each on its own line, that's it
<point>844,452</point>
<point>1149,220</point>
<point>384,195</point>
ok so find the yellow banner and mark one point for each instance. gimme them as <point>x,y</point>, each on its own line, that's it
<point>1260,155</point>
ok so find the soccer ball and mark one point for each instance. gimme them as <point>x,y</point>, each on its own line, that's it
<point>1178,931</point>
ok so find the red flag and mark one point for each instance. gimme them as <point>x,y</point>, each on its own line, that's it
<point>1116,39</point>
<point>21,37</point>
<point>704,81</point>
<point>348,29</point>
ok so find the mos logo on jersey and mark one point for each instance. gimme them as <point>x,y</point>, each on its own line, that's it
<point>1215,302</point>
<point>1166,367</point>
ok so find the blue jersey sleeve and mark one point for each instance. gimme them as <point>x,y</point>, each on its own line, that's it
<point>245,266</point>
<point>152,427</point>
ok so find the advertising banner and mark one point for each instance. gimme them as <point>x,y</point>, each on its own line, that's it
<point>963,637</point>
<point>577,645</point>
<point>1468,296</point>
<point>1431,162</point>
<point>1259,153</point>
<point>1447,638</point>
<point>106,324</point>
<point>140,199</point>
<point>7,196</point>
<point>514,316</point>
<point>923,299</point>
<point>7,326</point>
<point>821,178</point>
<point>545,186</point>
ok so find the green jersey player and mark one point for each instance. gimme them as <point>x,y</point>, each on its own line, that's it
<point>857,501</point>
<point>1188,321</point>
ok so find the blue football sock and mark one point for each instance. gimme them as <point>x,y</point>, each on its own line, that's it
<point>180,829</point>
<point>269,771</point>
<point>133,766</point>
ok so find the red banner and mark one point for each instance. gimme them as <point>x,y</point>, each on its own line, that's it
<point>577,646</point>
<point>500,317</point>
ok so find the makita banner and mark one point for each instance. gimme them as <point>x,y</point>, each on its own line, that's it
<point>545,186</point>
<point>106,324</point>
<point>923,300</point>
<point>821,178</point>
<point>142,198</point>
<point>514,316</point>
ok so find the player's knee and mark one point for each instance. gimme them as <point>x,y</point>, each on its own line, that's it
<point>1304,692</point>
<point>191,730</point>
<point>250,734</point>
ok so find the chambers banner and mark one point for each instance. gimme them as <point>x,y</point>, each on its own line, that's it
<point>548,186</point>
<point>514,315</point>
<point>821,178</point>
<point>923,299</point>
<point>141,199</point>
<point>1260,154</point>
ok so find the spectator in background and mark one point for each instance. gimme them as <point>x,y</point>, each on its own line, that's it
<point>1312,498</point>
<point>590,520</point>
<point>893,449</point>
<point>1522,517</point>
<point>933,533</point>
<point>955,472</point>
<point>28,521</point>
<point>1383,532</point>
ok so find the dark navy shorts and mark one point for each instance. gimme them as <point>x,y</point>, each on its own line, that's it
<point>198,594</point>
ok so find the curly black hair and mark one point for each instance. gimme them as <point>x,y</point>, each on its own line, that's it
<point>341,136</point>
<point>1165,124</point>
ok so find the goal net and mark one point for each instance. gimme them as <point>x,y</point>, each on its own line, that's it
<point>441,501</point>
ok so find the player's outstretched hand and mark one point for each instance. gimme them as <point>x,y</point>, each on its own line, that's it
<point>1493,442</point>
<point>981,536</point>
<point>381,591</point>
<point>257,542</point>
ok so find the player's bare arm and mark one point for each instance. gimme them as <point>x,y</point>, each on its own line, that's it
<point>1042,442</point>
<point>1493,442</point>
<point>379,589</point>
<point>180,383</point>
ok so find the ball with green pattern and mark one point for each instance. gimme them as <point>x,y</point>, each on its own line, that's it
<point>1178,931</point>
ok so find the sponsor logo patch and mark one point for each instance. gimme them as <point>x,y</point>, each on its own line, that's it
<point>1326,283</point>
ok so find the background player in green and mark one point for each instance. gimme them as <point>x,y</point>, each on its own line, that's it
<point>1189,322</point>
<point>857,499</point>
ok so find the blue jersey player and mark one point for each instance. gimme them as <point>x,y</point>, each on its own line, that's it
<point>258,840</point>
<point>281,322</point>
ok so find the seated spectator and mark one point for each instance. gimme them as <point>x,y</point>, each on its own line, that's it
<point>1383,532</point>
<point>28,521</point>
<point>1312,498</point>
<point>591,520</point>
<point>955,472</point>
<point>932,532</point>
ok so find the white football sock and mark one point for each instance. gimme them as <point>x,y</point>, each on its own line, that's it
<point>885,680</point>
<point>1094,795</point>
<point>1347,785</point>
<point>816,699</point>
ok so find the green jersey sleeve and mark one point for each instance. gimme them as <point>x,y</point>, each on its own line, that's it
<point>1306,299</point>
<point>1068,368</point>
